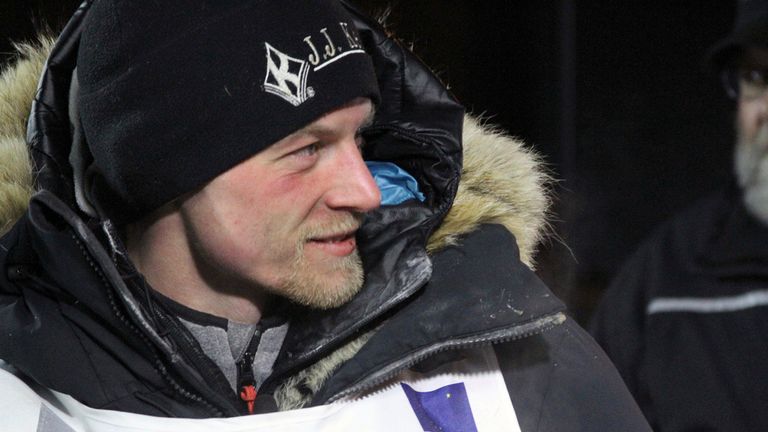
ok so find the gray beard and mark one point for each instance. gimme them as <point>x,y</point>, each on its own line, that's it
<point>751,168</point>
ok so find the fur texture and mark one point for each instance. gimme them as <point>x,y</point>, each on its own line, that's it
<point>18,83</point>
<point>502,182</point>
<point>297,391</point>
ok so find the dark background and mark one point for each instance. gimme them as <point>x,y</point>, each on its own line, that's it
<point>615,94</point>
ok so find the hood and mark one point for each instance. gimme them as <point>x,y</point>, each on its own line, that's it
<point>502,182</point>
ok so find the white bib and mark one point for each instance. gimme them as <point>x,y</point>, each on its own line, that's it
<point>467,395</point>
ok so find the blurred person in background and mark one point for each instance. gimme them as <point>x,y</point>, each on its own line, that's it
<point>686,319</point>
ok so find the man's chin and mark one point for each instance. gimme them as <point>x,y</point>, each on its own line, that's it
<point>336,284</point>
<point>751,168</point>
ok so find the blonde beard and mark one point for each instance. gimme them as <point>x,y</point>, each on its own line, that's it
<point>309,288</point>
<point>751,168</point>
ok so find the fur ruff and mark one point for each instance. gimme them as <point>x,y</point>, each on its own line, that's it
<point>502,182</point>
<point>297,391</point>
<point>18,82</point>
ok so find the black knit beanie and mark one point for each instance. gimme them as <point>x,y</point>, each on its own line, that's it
<point>175,92</point>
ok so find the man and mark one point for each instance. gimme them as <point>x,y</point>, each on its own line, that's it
<point>207,241</point>
<point>686,318</point>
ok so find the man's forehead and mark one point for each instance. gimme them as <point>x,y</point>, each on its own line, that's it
<point>323,126</point>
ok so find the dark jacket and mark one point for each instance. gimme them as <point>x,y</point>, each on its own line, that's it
<point>686,320</point>
<point>442,276</point>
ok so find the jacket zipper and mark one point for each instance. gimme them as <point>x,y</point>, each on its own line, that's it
<point>377,378</point>
<point>246,383</point>
<point>245,380</point>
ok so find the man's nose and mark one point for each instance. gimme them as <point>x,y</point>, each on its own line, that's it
<point>355,189</point>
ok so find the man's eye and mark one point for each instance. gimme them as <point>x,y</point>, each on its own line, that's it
<point>309,150</point>
<point>756,77</point>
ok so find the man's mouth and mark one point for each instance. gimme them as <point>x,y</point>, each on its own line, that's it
<point>340,245</point>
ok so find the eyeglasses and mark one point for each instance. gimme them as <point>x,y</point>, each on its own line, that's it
<point>747,83</point>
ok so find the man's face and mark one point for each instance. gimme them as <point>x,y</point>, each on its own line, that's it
<point>751,157</point>
<point>285,219</point>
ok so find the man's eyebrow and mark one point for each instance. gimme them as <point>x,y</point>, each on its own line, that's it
<point>315,129</point>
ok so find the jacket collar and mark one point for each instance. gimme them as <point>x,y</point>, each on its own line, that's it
<point>477,296</point>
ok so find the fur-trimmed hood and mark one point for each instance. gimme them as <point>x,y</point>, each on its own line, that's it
<point>502,180</point>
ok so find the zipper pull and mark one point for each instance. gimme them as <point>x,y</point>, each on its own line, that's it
<point>245,381</point>
<point>248,395</point>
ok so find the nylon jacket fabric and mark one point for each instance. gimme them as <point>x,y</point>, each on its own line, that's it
<point>80,320</point>
<point>685,320</point>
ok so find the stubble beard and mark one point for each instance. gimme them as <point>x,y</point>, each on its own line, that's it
<point>751,168</point>
<point>306,286</point>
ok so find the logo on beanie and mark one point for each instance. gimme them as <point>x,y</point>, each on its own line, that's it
<point>287,76</point>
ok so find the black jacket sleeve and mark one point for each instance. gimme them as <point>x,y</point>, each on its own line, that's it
<point>570,383</point>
